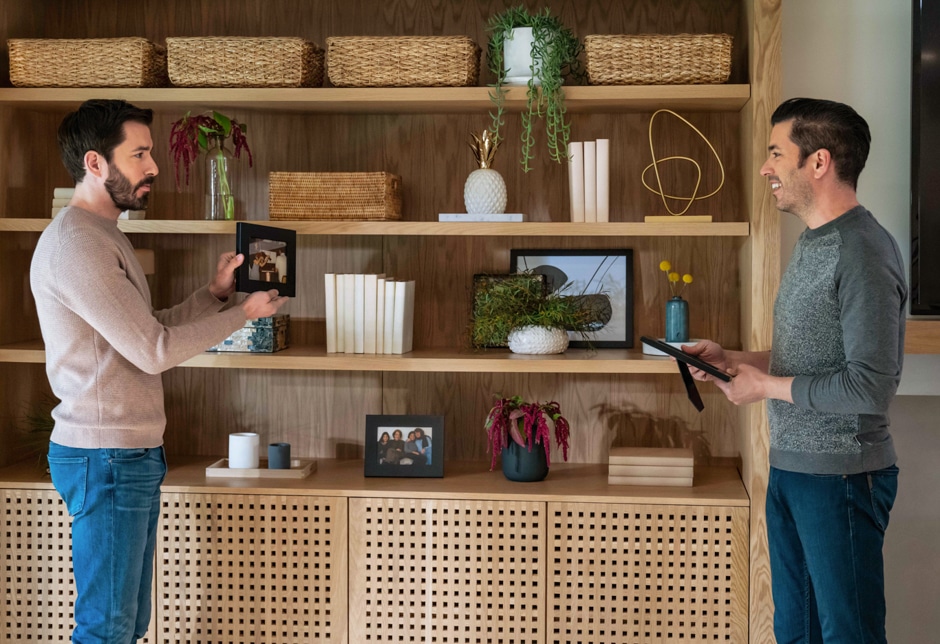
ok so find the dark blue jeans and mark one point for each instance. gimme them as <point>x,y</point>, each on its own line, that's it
<point>826,534</point>
<point>113,497</point>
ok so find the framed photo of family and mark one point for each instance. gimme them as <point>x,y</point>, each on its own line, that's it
<point>270,259</point>
<point>408,446</point>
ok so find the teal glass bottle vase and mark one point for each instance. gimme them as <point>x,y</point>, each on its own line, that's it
<point>677,320</point>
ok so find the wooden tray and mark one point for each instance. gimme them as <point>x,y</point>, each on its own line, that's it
<point>300,468</point>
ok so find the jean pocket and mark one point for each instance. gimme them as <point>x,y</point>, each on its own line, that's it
<point>883,487</point>
<point>128,455</point>
<point>70,478</point>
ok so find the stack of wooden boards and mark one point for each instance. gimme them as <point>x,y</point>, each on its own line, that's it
<point>650,466</point>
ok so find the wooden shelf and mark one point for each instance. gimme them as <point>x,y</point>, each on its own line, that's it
<point>922,336</point>
<point>420,228</point>
<point>389,100</point>
<point>622,361</point>
<point>566,482</point>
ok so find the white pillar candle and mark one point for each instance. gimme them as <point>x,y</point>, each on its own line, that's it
<point>243,450</point>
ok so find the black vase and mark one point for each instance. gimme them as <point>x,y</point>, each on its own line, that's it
<point>522,465</point>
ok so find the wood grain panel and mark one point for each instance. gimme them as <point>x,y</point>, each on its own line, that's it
<point>922,336</point>
<point>637,411</point>
<point>321,414</point>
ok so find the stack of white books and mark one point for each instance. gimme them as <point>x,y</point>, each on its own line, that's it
<point>60,199</point>
<point>589,180</point>
<point>368,314</point>
<point>670,466</point>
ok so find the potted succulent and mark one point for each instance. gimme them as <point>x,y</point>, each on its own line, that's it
<point>519,310</point>
<point>519,432</point>
<point>208,133</point>
<point>553,55</point>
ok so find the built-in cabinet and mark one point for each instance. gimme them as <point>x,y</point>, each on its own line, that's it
<point>317,401</point>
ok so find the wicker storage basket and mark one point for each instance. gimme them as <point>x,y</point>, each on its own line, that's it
<point>684,59</point>
<point>407,61</point>
<point>87,62</point>
<point>244,62</point>
<point>334,195</point>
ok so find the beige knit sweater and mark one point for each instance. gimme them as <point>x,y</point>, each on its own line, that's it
<point>105,345</point>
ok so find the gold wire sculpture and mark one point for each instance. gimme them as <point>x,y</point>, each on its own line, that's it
<point>656,162</point>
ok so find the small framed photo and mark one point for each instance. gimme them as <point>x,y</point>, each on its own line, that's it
<point>270,259</point>
<point>603,276</point>
<point>410,446</point>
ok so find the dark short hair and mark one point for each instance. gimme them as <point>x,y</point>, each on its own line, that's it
<point>98,124</point>
<point>836,127</point>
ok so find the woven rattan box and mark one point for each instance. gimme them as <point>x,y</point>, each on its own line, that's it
<point>654,59</point>
<point>86,62</point>
<point>244,62</point>
<point>334,195</point>
<point>402,61</point>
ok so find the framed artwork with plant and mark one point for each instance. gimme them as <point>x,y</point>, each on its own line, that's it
<point>555,52</point>
<point>601,279</point>
<point>208,132</point>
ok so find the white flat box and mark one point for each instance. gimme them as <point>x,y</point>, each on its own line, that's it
<point>512,217</point>
<point>676,456</point>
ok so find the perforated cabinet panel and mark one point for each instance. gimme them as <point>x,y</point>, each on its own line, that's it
<point>38,591</point>
<point>242,569</point>
<point>446,571</point>
<point>640,574</point>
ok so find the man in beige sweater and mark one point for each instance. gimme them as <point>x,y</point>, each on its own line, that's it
<point>105,350</point>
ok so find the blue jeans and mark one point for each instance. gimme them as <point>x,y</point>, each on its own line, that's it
<point>113,497</point>
<point>826,534</point>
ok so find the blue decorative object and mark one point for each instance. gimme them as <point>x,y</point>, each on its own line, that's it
<point>279,456</point>
<point>677,320</point>
<point>522,465</point>
<point>264,335</point>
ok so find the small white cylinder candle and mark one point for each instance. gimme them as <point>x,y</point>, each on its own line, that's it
<point>243,450</point>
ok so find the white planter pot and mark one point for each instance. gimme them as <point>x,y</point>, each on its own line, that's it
<point>517,57</point>
<point>537,340</point>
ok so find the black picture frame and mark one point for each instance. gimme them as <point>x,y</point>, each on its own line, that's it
<point>588,272</point>
<point>482,283</point>
<point>255,240</point>
<point>384,461</point>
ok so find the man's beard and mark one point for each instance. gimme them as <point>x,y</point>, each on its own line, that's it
<point>121,192</point>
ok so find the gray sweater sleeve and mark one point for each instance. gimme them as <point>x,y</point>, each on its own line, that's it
<point>872,297</point>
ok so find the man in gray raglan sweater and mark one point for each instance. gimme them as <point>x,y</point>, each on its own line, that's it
<point>105,350</point>
<point>835,364</point>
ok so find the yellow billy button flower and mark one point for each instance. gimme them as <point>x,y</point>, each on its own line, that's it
<point>687,279</point>
<point>665,266</point>
<point>673,277</point>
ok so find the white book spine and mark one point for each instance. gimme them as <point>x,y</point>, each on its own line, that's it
<point>341,313</point>
<point>359,313</point>
<point>380,315</point>
<point>399,331</point>
<point>349,330</point>
<point>576,179</point>
<point>63,193</point>
<point>329,301</point>
<point>389,315</point>
<point>603,180</point>
<point>408,322</point>
<point>590,181</point>
<point>665,471</point>
<point>369,315</point>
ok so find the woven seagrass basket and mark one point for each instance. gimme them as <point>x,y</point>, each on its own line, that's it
<point>87,62</point>
<point>334,195</point>
<point>405,61</point>
<point>684,59</point>
<point>244,62</point>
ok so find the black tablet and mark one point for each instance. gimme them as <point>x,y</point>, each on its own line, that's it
<point>692,361</point>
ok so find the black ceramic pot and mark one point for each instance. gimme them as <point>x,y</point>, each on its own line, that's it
<point>520,464</point>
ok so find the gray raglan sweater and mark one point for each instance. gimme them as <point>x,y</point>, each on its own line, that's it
<point>839,330</point>
<point>105,345</point>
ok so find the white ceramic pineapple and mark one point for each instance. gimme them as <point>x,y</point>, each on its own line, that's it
<point>485,191</point>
